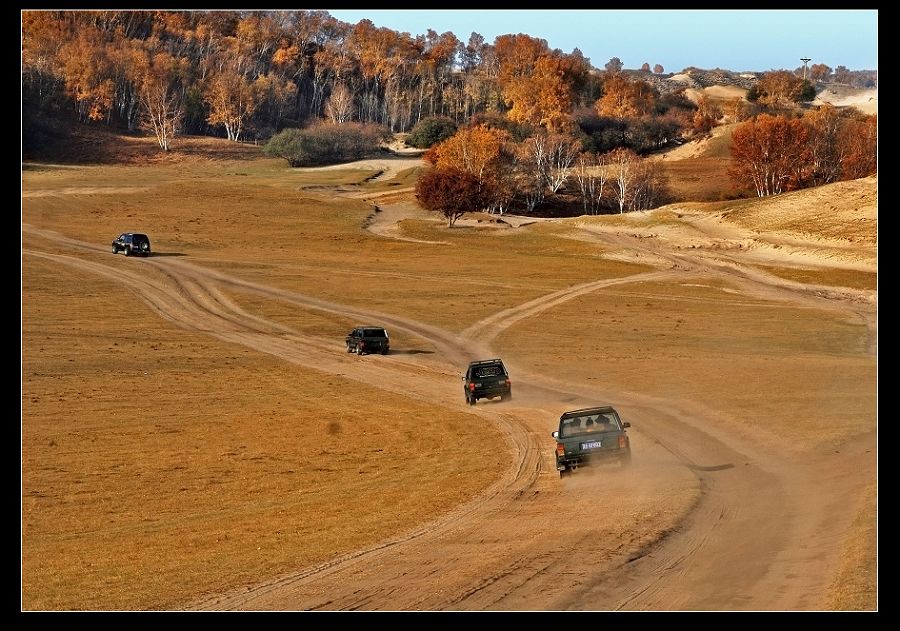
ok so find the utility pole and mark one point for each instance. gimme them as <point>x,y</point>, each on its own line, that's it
<point>805,61</point>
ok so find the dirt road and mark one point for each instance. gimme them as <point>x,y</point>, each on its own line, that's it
<point>763,534</point>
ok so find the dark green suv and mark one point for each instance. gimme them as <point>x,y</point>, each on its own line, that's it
<point>368,339</point>
<point>591,435</point>
<point>485,379</point>
<point>132,244</point>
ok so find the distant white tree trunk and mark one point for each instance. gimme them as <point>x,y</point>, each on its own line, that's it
<point>339,107</point>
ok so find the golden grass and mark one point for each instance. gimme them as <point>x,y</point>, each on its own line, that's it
<point>247,467</point>
<point>790,374</point>
<point>831,276</point>
<point>855,587</point>
<point>159,464</point>
<point>697,179</point>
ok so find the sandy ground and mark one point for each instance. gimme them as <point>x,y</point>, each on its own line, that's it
<point>387,167</point>
<point>864,100</point>
<point>694,148</point>
<point>719,92</point>
<point>759,535</point>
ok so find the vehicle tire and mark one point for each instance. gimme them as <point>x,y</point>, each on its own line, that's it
<point>115,250</point>
<point>384,352</point>
<point>127,251</point>
<point>349,348</point>
<point>506,397</point>
<point>564,472</point>
<point>470,399</point>
<point>359,350</point>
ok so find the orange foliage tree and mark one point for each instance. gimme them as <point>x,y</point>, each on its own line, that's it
<point>819,72</point>
<point>88,75</point>
<point>827,146</point>
<point>860,139</point>
<point>158,83</point>
<point>626,99</point>
<point>475,150</point>
<point>769,154</point>
<point>231,99</point>
<point>538,84</point>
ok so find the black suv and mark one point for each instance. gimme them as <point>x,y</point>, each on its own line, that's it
<point>132,243</point>
<point>591,435</point>
<point>368,339</point>
<point>486,379</point>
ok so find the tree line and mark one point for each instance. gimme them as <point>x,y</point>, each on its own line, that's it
<point>233,72</point>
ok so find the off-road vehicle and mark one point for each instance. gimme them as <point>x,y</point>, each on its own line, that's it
<point>132,244</point>
<point>589,436</point>
<point>368,339</point>
<point>486,379</point>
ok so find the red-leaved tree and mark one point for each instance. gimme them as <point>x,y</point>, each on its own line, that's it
<point>451,192</point>
<point>769,154</point>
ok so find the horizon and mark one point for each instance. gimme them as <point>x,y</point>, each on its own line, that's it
<point>675,39</point>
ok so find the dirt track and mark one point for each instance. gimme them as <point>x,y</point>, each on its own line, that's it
<point>763,535</point>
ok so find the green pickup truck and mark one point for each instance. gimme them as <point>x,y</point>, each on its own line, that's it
<point>588,436</point>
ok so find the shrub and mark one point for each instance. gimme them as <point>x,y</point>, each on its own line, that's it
<point>430,131</point>
<point>325,143</point>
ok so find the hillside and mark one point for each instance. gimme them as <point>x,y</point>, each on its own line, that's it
<point>865,100</point>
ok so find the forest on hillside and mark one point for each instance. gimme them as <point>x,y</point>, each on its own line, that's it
<point>528,122</point>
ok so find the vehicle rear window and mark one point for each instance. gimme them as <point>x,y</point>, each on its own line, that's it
<point>488,371</point>
<point>374,333</point>
<point>589,424</point>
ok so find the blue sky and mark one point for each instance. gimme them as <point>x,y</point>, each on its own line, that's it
<point>734,40</point>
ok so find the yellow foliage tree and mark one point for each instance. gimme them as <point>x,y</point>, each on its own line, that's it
<point>626,99</point>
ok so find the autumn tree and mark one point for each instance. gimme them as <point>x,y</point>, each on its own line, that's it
<point>562,151</point>
<point>623,166</point>
<point>842,75</point>
<point>275,96</point>
<point>590,174</point>
<point>88,75</point>
<point>707,115</point>
<point>768,154</point>
<point>826,146</point>
<point>819,72</point>
<point>472,149</point>
<point>658,69</point>
<point>231,101</point>
<point>781,87</point>
<point>499,184</point>
<point>158,83</point>
<point>626,99</point>
<point>339,107</point>
<point>636,183</point>
<point>449,191</point>
<point>860,141</point>
<point>736,110</point>
<point>538,84</point>
<point>614,65</point>
<point>650,186</point>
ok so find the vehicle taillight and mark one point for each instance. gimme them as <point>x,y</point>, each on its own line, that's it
<point>472,386</point>
<point>560,449</point>
<point>508,382</point>
<point>623,442</point>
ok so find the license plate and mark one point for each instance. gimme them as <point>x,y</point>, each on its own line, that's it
<point>591,445</point>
